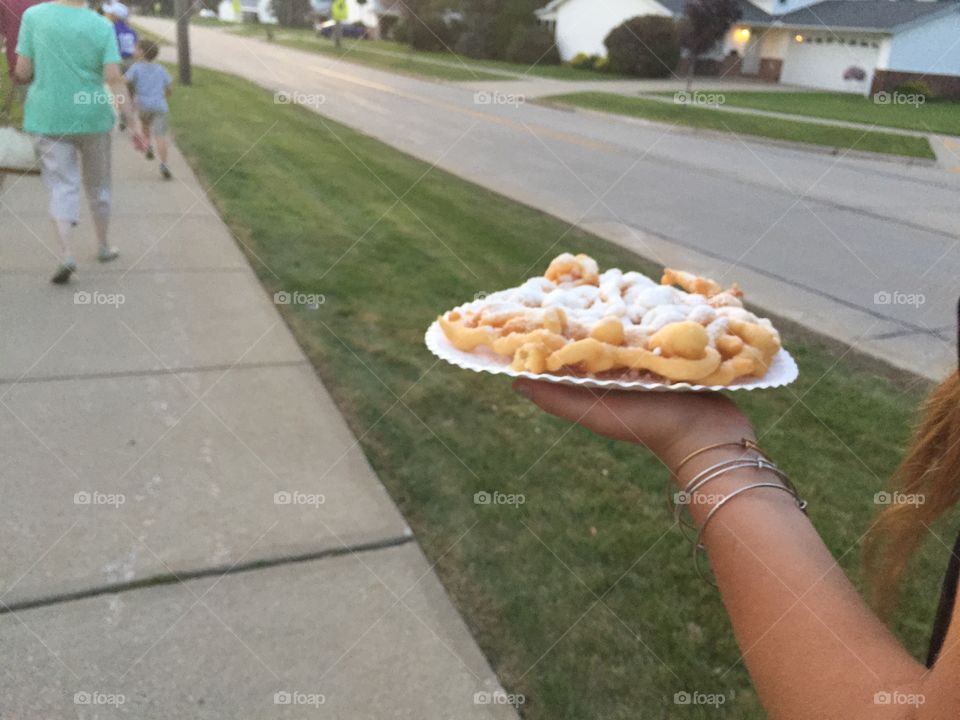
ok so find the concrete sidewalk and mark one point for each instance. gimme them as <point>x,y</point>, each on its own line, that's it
<point>189,527</point>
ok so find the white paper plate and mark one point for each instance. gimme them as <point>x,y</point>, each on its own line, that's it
<point>783,370</point>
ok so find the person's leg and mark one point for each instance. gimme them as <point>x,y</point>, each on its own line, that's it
<point>97,179</point>
<point>60,171</point>
<point>160,136</point>
<point>146,125</point>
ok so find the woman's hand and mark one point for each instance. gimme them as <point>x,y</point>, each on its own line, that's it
<point>670,424</point>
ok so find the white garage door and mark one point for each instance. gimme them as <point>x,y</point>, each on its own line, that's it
<point>823,64</point>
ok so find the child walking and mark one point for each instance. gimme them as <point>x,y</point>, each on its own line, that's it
<point>151,85</point>
<point>117,13</point>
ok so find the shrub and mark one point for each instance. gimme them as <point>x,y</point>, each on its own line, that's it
<point>915,87</point>
<point>646,46</point>
<point>472,44</point>
<point>507,16</point>
<point>388,26</point>
<point>582,61</point>
<point>602,64</point>
<point>532,44</point>
<point>430,32</point>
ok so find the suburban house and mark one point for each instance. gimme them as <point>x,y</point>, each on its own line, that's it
<point>857,46</point>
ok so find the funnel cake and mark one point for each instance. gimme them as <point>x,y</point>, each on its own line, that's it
<point>575,320</point>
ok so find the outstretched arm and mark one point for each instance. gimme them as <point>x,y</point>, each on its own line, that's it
<point>118,86</point>
<point>814,649</point>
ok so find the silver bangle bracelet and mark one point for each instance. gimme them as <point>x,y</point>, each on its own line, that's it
<point>712,473</point>
<point>696,479</point>
<point>760,463</point>
<point>739,491</point>
<point>698,545</point>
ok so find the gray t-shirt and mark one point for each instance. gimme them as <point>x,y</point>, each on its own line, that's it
<point>150,82</point>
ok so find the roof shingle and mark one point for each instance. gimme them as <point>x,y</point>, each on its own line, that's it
<point>864,14</point>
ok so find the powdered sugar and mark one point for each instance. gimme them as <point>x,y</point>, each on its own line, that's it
<point>642,305</point>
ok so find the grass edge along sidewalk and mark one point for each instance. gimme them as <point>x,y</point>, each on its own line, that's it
<point>315,204</point>
<point>704,118</point>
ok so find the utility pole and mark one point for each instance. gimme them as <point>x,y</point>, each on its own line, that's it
<point>182,10</point>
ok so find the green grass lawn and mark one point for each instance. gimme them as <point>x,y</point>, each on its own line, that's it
<point>317,205</point>
<point>936,116</point>
<point>397,57</point>
<point>743,124</point>
<point>6,87</point>
<point>212,22</point>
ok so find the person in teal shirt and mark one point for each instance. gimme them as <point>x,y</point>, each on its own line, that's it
<point>67,53</point>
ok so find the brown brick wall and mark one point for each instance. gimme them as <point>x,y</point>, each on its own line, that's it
<point>947,86</point>
<point>770,69</point>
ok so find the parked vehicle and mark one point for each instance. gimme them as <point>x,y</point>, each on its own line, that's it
<point>352,30</point>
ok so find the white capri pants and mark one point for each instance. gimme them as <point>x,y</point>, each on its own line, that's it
<point>69,160</point>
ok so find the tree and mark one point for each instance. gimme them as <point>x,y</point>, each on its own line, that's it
<point>491,25</point>
<point>479,19</point>
<point>646,46</point>
<point>292,13</point>
<point>705,24</point>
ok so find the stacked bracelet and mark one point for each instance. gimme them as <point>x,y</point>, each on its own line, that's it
<point>685,496</point>
<point>802,504</point>
<point>745,443</point>
<point>749,446</point>
<point>747,460</point>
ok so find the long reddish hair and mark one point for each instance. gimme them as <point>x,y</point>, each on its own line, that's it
<point>929,480</point>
